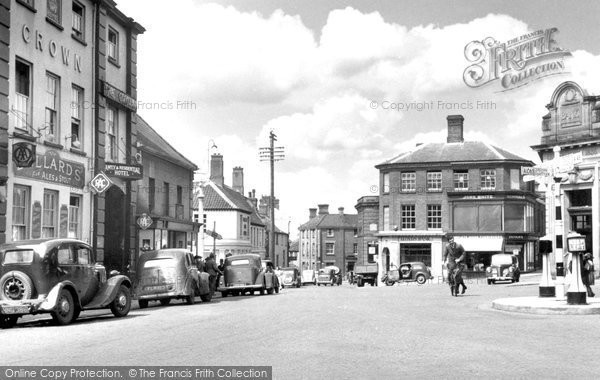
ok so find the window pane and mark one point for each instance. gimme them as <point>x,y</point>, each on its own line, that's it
<point>490,218</point>
<point>465,218</point>
<point>514,217</point>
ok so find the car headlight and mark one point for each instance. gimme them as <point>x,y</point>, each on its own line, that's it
<point>511,269</point>
<point>505,272</point>
<point>489,269</point>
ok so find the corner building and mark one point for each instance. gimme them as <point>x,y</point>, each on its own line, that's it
<point>468,188</point>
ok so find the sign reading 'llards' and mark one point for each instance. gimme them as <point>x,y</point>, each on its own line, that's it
<point>125,171</point>
<point>50,167</point>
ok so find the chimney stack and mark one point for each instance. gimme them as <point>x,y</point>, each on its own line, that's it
<point>237,180</point>
<point>312,213</point>
<point>341,210</point>
<point>455,129</point>
<point>253,199</point>
<point>263,209</point>
<point>323,209</point>
<point>216,169</point>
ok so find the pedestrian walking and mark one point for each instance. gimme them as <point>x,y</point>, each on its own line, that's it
<point>587,273</point>
<point>453,254</point>
<point>210,267</point>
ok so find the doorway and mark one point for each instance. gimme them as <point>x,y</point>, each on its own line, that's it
<point>114,230</point>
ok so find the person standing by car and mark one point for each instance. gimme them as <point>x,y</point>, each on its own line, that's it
<point>210,267</point>
<point>453,254</point>
<point>587,273</point>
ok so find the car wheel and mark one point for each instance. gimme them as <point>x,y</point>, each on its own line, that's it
<point>121,305</point>
<point>360,283</point>
<point>318,284</point>
<point>165,301</point>
<point>277,289</point>
<point>206,297</point>
<point>190,300</point>
<point>421,279</point>
<point>8,321</point>
<point>489,281</point>
<point>270,291</point>
<point>389,282</point>
<point>262,291</point>
<point>65,308</point>
<point>15,285</point>
<point>224,294</point>
<point>143,304</point>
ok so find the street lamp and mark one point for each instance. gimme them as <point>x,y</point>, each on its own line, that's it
<point>576,295</point>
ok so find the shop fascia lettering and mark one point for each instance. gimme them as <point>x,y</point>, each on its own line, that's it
<point>52,46</point>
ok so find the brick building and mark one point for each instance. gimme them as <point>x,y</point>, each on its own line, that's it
<point>469,188</point>
<point>165,194</point>
<point>367,224</point>
<point>329,239</point>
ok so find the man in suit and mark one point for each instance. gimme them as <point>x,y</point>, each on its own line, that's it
<point>454,254</point>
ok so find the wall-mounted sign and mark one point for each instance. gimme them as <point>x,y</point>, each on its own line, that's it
<point>49,167</point>
<point>124,171</point>
<point>118,96</point>
<point>100,183</point>
<point>144,221</point>
<point>24,154</point>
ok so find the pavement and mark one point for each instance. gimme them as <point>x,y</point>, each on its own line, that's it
<point>543,305</point>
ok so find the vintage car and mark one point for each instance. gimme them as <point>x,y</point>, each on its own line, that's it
<point>246,273</point>
<point>503,267</point>
<point>60,277</point>
<point>412,271</point>
<point>166,274</point>
<point>309,276</point>
<point>290,277</point>
<point>329,275</point>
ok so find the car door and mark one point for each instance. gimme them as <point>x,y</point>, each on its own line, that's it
<point>88,281</point>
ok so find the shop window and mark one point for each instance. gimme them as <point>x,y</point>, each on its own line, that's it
<point>461,180</point>
<point>74,216</point>
<point>52,105</point>
<point>50,214</point>
<point>490,218</point>
<point>416,252</point>
<point>22,106</point>
<point>408,217</point>
<point>465,218</point>
<point>409,182</point>
<point>487,179</point>
<point>20,212</point>
<point>78,24</point>
<point>434,181</point>
<point>53,11</point>
<point>581,223</point>
<point>580,198</point>
<point>514,217</point>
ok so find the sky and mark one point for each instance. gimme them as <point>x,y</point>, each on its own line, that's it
<point>325,75</point>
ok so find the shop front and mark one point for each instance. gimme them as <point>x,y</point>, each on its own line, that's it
<point>165,233</point>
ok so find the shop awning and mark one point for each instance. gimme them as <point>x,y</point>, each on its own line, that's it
<point>480,243</point>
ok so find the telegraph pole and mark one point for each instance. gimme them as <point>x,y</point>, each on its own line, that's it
<point>272,154</point>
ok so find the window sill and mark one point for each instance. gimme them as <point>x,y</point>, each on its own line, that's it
<point>28,6</point>
<point>114,62</point>
<point>53,145</point>
<point>23,135</point>
<point>78,152</point>
<point>57,25</point>
<point>78,39</point>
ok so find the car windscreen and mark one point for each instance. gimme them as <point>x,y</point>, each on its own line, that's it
<point>501,260</point>
<point>161,262</point>
<point>18,257</point>
<point>240,262</point>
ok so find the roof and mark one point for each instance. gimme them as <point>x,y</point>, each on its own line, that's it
<point>154,144</point>
<point>294,246</point>
<point>224,198</point>
<point>468,151</point>
<point>339,221</point>
<point>331,221</point>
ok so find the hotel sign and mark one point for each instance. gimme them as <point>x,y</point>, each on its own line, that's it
<point>50,167</point>
<point>124,171</point>
<point>118,96</point>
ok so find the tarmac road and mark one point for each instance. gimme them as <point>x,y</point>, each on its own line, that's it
<point>340,332</point>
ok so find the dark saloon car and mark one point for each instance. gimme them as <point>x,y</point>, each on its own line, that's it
<point>168,274</point>
<point>290,277</point>
<point>504,267</point>
<point>246,273</point>
<point>412,271</point>
<point>57,276</point>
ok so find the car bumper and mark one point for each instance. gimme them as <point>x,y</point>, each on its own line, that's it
<point>501,278</point>
<point>238,287</point>
<point>22,307</point>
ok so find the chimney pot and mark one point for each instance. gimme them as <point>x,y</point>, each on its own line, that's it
<point>237,181</point>
<point>323,209</point>
<point>455,129</point>
<point>341,210</point>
